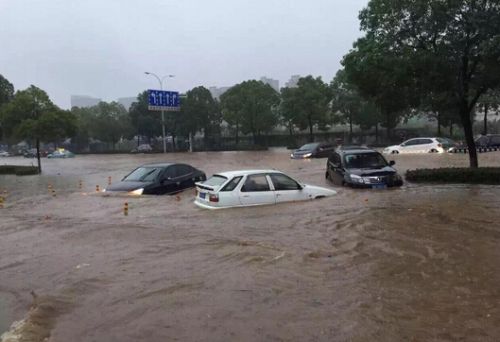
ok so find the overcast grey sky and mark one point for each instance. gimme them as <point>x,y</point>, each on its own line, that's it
<point>101,48</point>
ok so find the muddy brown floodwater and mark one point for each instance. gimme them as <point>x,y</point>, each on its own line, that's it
<point>419,263</point>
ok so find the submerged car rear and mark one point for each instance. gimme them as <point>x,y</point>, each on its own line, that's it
<point>207,192</point>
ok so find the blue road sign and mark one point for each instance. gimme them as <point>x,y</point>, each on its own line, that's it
<point>163,100</point>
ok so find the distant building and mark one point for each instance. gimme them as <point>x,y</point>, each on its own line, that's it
<point>293,81</point>
<point>126,101</point>
<point>275,84</point>
<point>83,101</point>
<point>217,91</point>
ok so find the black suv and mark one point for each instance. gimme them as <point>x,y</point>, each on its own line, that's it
<point>361,168</point>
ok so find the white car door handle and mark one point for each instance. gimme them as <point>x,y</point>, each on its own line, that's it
<point>246,195</point>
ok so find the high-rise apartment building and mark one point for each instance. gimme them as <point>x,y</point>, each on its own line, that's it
<point>275,84</point>
<point>293,81</point>
<point>84,101</point>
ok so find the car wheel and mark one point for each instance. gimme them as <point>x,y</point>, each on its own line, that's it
<point>395,152</point>
<point>433,150</point>
<point>320,196</point>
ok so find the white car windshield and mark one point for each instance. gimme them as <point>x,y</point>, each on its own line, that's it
<point>143,174</point>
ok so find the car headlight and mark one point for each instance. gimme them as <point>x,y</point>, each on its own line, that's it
<point>307,155</point>
<point>357,179</point>
<point>137,191</point>
<point>291,155</point>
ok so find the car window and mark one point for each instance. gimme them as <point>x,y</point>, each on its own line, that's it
<point>182,170</point>
<point>215,180</point>
<point>410,142</point>
<point>170,172</point>
<point>256,183</point>
<point>143,174</point>
<point>335,159</point>
<point>283,182</point>
<point>232,184</point>
<point>424,141</point>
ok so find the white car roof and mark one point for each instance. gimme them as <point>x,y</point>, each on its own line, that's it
<point>231,174</point>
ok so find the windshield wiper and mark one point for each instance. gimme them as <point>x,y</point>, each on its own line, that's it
<point>147,174</point>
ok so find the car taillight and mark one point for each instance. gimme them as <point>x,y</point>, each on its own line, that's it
<point>214,198</point>
<point>440,145</point>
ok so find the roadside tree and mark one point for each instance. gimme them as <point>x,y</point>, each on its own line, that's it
<point>32,115</point>
<point>452,46</point>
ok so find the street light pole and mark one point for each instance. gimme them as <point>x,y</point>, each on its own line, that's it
<point>160,80</point>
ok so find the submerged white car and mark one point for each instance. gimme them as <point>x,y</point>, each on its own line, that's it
<point>419,145</point>
<point>253,187</point>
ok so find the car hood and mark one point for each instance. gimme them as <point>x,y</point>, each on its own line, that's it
<point>372,172</point>
<point>392,147</point>
<point>314,191</point>
<point>301,152</point>
<point>127,186</point>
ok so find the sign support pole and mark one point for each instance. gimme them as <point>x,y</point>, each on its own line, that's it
<point>163,131</point>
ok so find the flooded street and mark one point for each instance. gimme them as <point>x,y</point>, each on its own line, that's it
<point>419,263</point>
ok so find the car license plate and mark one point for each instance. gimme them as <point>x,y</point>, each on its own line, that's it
<point>202,195</point>
<point>379,186</point>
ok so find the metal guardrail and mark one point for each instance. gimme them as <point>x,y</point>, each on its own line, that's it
<point>478,149</point>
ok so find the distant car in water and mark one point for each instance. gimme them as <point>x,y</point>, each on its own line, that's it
<point>488,141</point>
<point>362,168</point>
<point>313,150</point>
<point>144,148</point>
<point>253,187</point>
<point>61,153</point>
<point>421,145</point>
<point>31,153</point>
<point>158,179</point>
<point>4,154</point>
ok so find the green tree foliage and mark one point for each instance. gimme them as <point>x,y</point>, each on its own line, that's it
<point>6,90</point>
<point>231,110</point>
<point>451,47</point>
<point>6,94</point>
<point>350,107</point>
<point>289,109</point>
<point>251,106</point>
<point>32,115</point>
<point>107,122</point>
<point>313,98</point>
<point>146,122</point>
<point>490,101</point>
<point>382,77</point>
<point>200,112</point>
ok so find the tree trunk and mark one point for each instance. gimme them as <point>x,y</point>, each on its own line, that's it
<point>236,138</point>
<point>469,135</point>
<point>439,124</point>
<point>376,133</point>
<point>311,135</point>
<point>451,130</point>
<point>38,155</point>
<point>485,123</point>
<point>254,138</point>
<point>350,129</point>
